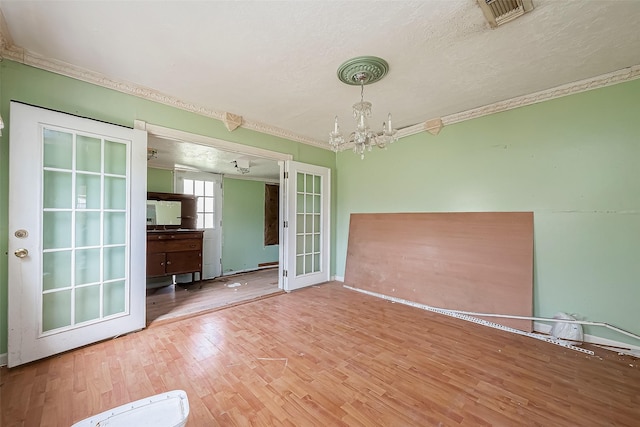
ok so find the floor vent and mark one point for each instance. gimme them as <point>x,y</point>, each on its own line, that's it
<point>500,12</point>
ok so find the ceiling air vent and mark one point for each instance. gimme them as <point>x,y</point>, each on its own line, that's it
<point>500,12</point>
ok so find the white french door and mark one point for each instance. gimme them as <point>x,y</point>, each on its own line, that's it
<point>76,232</point>
<point>308,192</point>
<point>207,187</point>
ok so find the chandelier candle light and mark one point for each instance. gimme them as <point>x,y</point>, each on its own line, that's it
<point>361,71</point>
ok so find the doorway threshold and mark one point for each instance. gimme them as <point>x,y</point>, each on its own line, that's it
<point>179,301</point>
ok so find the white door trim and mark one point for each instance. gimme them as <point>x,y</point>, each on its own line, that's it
<point>221,144</point>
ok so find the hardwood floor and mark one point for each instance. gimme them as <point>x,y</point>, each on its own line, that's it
<point>171,302</point>
<point>328,356</point>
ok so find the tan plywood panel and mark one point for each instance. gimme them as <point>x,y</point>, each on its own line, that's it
<point>472,261</point>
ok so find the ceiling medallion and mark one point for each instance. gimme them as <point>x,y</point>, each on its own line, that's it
<point>362,71</point>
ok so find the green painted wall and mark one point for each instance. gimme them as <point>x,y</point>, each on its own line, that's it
<point>37,87</point>
<point>243,226</point>
<point>573,161</point>
<point>160,180</point>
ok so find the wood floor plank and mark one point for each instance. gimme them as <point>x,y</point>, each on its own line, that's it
<point>328,356</point>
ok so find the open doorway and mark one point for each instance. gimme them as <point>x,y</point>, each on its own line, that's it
<point>242,264</point>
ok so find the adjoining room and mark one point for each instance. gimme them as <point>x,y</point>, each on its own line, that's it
<point>212,227</point>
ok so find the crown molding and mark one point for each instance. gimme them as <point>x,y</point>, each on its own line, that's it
<point>10,51</point>
<point>283,133</point>
<point>615,77</point>
<point>624,75</point>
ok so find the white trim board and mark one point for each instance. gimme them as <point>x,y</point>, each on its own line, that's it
<point>538,327</point>
<point>251,178</point>
<point>246,270</point>
<point>468,318</point>
<point>221,144</point>
<point>617,346</point>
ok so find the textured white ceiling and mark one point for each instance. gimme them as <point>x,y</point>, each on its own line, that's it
<point>275,62</point>
<point>172,154</point>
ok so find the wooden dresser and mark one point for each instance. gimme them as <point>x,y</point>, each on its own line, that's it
<point>174,252</point>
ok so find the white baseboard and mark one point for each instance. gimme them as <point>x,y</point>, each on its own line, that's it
<point>4,359</point>
<point>634,350</point>
<point>248,270</point>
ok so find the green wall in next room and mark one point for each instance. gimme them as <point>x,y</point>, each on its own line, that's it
<point>160,180</point>
<point>572,161</point>
<point>243,226</point>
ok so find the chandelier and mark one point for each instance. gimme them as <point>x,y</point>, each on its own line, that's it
<point>361,71</point>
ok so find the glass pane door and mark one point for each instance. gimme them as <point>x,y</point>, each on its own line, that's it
<point>208,191</point>
<point>307,230</point>
<point>84,223</point>
<point>77,232</point>
<point>308,220</point>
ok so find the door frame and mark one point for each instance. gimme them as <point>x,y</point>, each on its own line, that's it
<point>234,147</point>
<point>178,178</point>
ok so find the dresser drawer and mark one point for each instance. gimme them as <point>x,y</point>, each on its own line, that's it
<point>154,246</point>
<point>174,236</point>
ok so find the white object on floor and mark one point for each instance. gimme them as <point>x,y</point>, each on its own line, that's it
<point>233,285</point>
<point>567,331</point>
<point>170,409</point>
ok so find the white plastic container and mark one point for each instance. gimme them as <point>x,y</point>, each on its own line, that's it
<point>170,409</point>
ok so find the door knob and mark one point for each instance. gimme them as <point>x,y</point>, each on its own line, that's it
<point>21,253</point>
